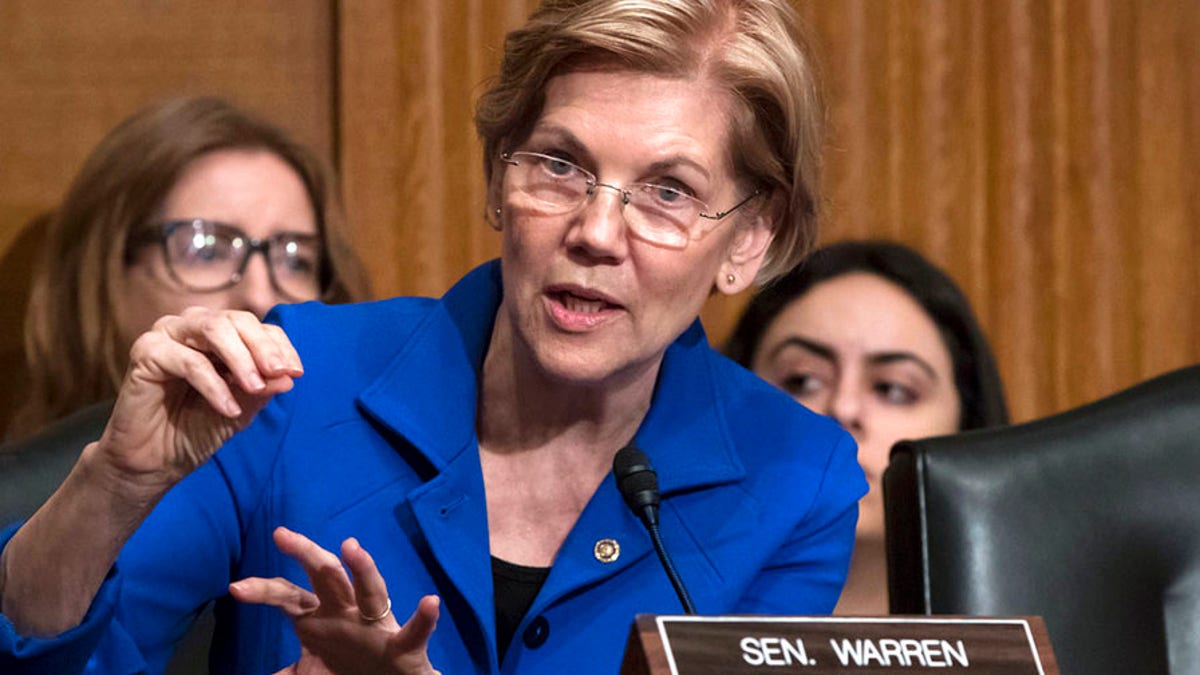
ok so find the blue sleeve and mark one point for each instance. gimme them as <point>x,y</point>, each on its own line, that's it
<point>178,561</point>
<point>806,575</point>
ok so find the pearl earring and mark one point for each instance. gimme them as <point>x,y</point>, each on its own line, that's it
<point>729,278</point>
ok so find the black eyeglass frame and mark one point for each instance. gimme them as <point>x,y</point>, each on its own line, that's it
<point>161,234</point>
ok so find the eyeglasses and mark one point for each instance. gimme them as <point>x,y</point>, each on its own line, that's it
<point>206,256</point>
<point>662,215</point>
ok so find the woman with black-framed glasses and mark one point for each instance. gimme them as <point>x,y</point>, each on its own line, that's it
<point>640,156</point>
<point>169,212</point>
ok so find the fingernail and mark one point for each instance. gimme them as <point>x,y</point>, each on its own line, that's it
<point>256,382</point>
<point>232,408</point>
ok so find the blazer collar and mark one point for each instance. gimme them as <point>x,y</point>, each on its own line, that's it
<point>685,433</point>
<point>428,392</point>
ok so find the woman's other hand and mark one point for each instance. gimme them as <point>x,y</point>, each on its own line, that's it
<point>345,624</point>
<point>193,381</point>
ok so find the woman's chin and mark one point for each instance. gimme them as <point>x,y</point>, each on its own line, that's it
<point>573,368</point>
<point>870,520</point>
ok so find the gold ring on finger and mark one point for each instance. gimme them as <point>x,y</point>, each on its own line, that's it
<point>378,617</point>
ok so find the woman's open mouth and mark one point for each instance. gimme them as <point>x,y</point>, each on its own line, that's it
<point>576,309</point>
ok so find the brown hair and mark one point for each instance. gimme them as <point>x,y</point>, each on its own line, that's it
<point>754,48</point>
<point>73,346</point>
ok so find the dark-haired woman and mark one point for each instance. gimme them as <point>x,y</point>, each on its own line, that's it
<point>877,337</point>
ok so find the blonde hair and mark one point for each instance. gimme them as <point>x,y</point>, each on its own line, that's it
<point>73,346</point>
<point>753,48</point>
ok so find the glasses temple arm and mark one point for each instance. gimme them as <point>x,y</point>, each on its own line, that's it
<point>721,214</point>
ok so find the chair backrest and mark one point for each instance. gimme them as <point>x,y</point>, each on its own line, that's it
<point>32,468</point>
<point>1089,518</point>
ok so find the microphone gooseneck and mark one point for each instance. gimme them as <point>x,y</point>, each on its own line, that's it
<point>638,483</point>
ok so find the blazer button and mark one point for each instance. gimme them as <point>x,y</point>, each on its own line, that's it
<point>536,634</point>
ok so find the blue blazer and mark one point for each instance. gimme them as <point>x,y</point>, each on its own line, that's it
<point>377,441</point>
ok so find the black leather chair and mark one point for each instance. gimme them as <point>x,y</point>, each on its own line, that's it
<point>1089,518</point>
<point>30,471</point>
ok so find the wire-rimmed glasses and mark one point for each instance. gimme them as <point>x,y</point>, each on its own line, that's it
<point>659,214</point>
<point>206,256</point>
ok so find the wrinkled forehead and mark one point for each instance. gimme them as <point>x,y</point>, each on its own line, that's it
<point>649,112</point>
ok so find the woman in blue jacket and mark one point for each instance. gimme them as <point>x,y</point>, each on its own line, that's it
<point>640,156</point>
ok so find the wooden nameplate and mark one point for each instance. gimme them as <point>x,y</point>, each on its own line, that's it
<point>910,645</point>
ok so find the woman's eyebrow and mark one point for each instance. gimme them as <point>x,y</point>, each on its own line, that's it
<point>821,350</point>
<point>666,164</point>
<point>562,136</point>
<point>884,358</point>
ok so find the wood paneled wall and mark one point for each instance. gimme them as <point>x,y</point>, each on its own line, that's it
<point>1042,151</point>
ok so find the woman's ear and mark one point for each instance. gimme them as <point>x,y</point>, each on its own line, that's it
<point>747,251</point>
<point>492,209</point>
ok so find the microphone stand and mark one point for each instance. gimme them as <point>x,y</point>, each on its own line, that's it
<point>672,573</point>
<point>638,483</point>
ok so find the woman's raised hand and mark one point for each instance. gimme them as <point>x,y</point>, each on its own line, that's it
<point>193,380</point>
<point>345,623</point>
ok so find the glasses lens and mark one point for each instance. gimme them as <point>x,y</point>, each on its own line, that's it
<point>296,265</point>
<point>662,215</point>
<point>204,256</point>
<point>550,184</point>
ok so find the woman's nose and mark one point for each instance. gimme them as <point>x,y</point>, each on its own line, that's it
<point>846,406</point>
<point>255,292</point>
<point>599,228</point>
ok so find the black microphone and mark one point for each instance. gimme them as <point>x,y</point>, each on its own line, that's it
<point>638,484</point>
